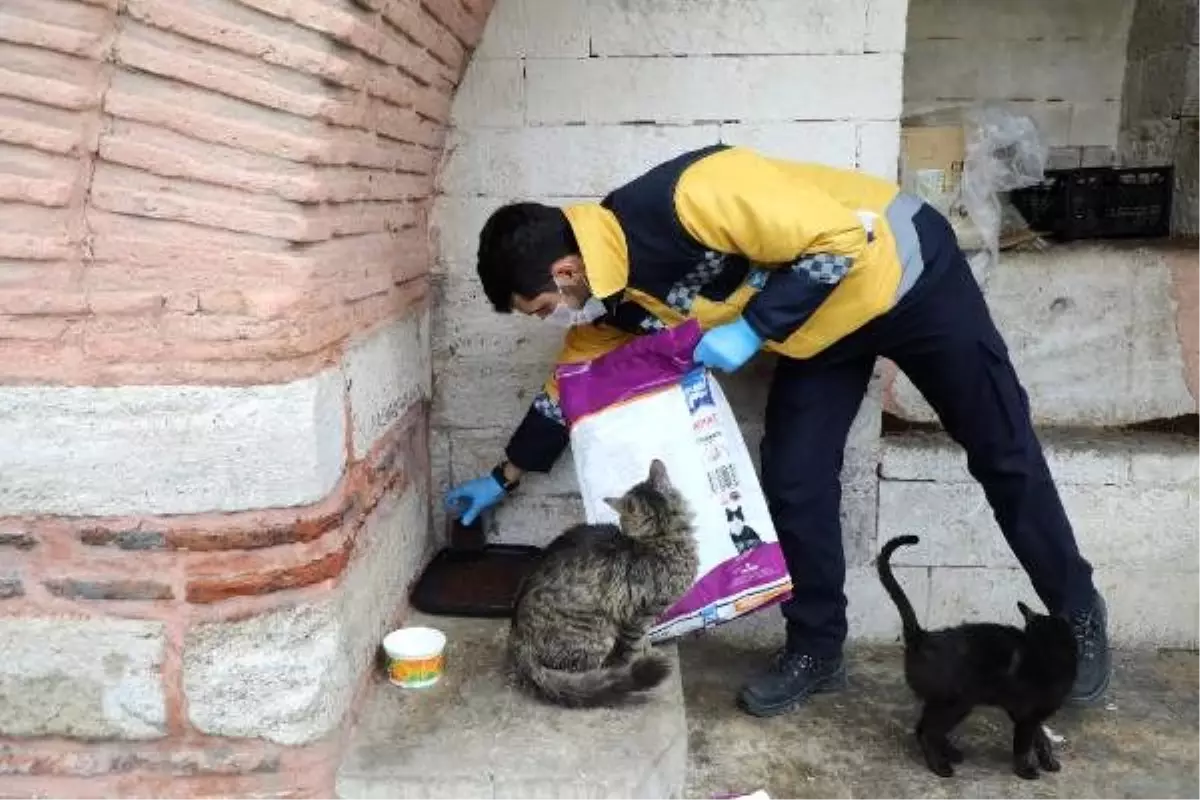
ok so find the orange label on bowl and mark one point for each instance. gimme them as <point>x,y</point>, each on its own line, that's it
<point>416,670</point>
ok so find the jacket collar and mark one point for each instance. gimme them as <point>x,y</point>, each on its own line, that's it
<point>602,246</point>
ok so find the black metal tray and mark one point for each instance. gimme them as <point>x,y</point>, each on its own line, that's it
<point>474,583</point>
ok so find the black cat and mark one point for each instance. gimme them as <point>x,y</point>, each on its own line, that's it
<point>743,536</point>
<point>1028,673</point>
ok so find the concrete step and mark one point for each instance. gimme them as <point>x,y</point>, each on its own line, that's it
<point>1133,502</point>
<point>475,735</point>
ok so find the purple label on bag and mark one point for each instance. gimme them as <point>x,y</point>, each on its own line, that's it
<point>755,568</point>
<point>644,365</point>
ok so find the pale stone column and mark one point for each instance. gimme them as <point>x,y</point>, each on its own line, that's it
<point>214,377</point>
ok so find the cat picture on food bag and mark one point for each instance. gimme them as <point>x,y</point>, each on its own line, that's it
<point>744,537</point>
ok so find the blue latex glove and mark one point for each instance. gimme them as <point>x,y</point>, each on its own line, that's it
<point>468,500</point>
<point>728,347</point>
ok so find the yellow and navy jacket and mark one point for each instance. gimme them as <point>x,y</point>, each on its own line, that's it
<point>805,253</point>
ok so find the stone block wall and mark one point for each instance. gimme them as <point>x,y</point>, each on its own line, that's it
<point>1061,63</point>
<point>567,99</point>
<point>214,379</point>
<point>1103,334</point>
<point>1132,500</point>
<point>1104,337</point>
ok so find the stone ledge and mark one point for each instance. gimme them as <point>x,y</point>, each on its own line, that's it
<point>1101,333</point>
<point>474,735</point>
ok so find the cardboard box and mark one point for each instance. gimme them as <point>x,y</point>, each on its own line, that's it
<point>931,167</point>
<point>931,160</point>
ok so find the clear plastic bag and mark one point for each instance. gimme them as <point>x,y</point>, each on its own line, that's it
<point>1003,151</point>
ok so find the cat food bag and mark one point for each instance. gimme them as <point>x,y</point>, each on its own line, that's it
<point>648,400</point>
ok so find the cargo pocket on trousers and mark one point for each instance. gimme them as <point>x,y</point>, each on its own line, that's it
<point>1011,400</point>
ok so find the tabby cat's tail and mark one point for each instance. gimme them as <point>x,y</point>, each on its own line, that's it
<point>598,687</point>
<point>912,628</point>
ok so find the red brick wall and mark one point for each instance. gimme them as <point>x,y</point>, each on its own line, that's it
<point>215,192</point>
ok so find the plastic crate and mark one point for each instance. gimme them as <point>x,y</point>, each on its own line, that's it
<point>1099,202</point>
<point>1044,205</point>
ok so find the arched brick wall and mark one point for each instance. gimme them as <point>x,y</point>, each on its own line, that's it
<point>214,378</point>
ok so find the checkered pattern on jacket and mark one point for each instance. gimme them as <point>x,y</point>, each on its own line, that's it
<point>824,268</point>
<point>548,408</point>
<point>652,324</point>
<point>682,294</point>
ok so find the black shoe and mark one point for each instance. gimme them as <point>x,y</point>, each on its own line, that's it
<point>790,679</point>
<point>1090,627</point>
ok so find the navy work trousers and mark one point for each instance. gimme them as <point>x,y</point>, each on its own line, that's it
<point>942,337</point>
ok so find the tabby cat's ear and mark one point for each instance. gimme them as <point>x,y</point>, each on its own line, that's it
<point>658,475</point>
<point>614,503</point>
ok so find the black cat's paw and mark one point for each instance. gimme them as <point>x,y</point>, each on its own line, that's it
<point>1026,770</point>
<point>1044,750</point>
<point>936,760</point>
<point>953,754</point>
<point>1049,762</point>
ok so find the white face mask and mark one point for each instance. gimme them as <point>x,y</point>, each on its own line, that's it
<point>563,316</point>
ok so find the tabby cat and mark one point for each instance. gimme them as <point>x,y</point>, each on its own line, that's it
<point>578,635</point>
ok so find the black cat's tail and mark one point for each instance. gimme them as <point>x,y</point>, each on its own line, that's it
<point>912,628</point>
<point>597,687</point>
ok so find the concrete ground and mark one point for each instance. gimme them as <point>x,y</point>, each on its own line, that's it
<point>1142,743</point>
<point>475,735</point>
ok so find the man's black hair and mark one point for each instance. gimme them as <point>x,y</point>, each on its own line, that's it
<point>517,245</point>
